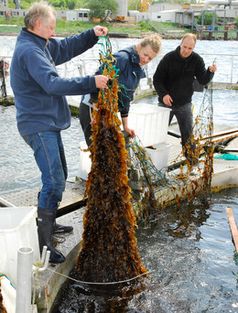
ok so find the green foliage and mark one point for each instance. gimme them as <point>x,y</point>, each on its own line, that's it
<point>98,7</point>
<point>146,26</point>
<point>23,4</point>
<point>11,4</point>
<point>19,21</point>
<point>65,28</point>
<point>60,4</point>
<point>236,22</point>
<point>207,18</point>
<point>133,4</point>
<point>71,4</point>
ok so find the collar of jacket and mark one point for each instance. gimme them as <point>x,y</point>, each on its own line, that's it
<point>133,54</point>
<point>25,33</point>
<point>177,50</point>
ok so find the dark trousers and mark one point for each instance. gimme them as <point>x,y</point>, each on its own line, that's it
<point>85,121</point>
<point>184,117</point>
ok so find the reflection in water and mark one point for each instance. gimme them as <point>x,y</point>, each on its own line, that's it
<point>190,256</point>
<point>188,219</point>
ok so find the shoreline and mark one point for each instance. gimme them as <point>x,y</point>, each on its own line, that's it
<point>164,35</point>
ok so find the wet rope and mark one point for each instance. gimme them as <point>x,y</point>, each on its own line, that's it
<point>100,283</point>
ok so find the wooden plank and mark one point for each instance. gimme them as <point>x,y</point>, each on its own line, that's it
<point>222,86</point>
<point>233,227</point>
<point>222,133</point>
<point>71,207</point>
<point>230,150</point>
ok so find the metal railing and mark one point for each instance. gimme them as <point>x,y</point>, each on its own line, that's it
<point>227,72</point>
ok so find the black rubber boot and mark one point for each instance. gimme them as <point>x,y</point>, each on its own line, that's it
<point>46,222</point>
<point>62,229</point>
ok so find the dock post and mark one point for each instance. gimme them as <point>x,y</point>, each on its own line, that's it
<point>226,35</point>
<point>24,280</point>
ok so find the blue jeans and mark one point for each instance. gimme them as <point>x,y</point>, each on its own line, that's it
<point>50,157</point>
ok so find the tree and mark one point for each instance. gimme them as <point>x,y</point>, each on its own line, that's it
<point>207,18</point>
<point>98,7</point>
<point>134,4</point>
<point>71,4</point>
<point>58,3</point>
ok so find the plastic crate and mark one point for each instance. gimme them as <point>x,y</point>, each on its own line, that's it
<point>17,230</point>
<point>150,123</point>
<point>160,155</point>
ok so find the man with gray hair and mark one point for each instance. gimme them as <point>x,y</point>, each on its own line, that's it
<point>41,107</point>
<point>173,81</point>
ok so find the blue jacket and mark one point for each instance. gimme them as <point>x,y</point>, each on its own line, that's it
<point>39,91</point>
<point>130,73</point>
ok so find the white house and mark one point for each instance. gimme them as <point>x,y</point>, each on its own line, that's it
<point>78,15</point>
<point>163,16</point>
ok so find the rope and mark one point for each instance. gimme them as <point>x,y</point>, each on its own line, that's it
<point>5,276</point>
<point>100,283</point>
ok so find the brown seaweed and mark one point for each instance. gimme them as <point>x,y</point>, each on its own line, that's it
<point>2,307</point>
<point>109,249</point>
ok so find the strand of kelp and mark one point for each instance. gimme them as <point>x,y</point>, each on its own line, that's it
<point>2,307</point>
<point>109,249</point>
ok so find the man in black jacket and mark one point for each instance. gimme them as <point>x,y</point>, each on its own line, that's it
<point>173,81</point>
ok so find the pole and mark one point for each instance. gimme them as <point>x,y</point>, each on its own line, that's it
<point>24,280</point>
<point>233,227</point>
<point>2,72</point>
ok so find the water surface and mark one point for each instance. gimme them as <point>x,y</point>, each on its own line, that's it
<point>190,256</point>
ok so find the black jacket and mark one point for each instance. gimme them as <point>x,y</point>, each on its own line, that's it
<point>175,75</point>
